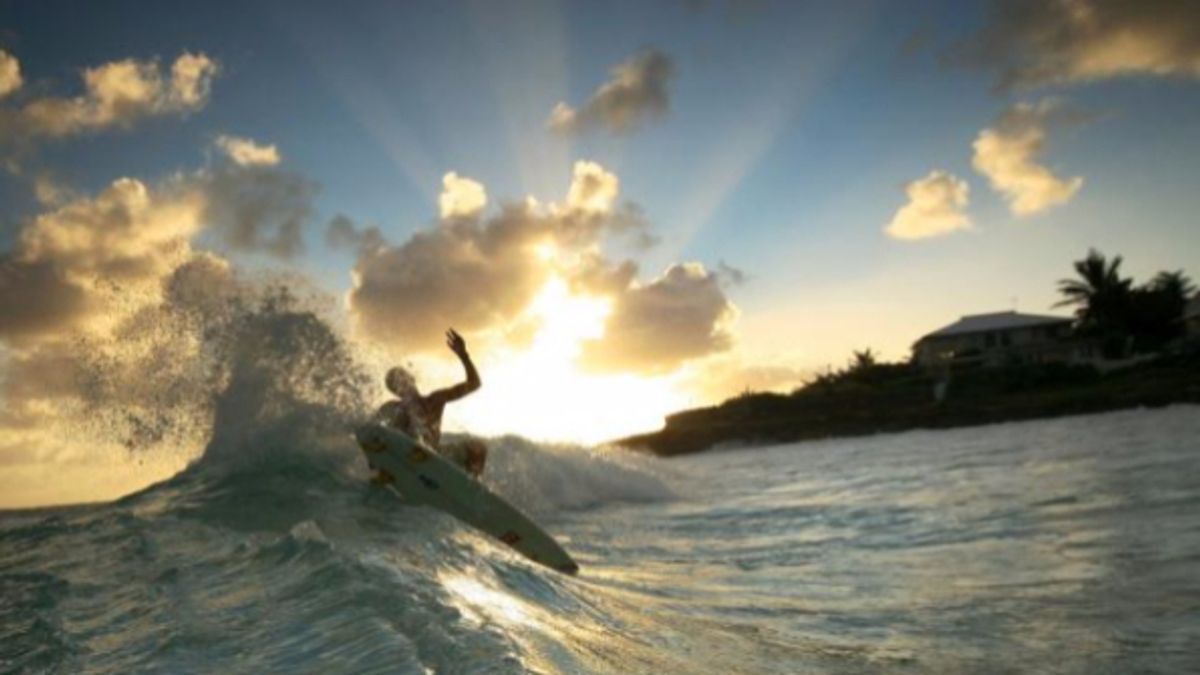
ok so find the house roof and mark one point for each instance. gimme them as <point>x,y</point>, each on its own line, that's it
<point>982,323</point>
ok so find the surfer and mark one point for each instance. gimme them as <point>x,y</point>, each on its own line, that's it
<point>420,416</point>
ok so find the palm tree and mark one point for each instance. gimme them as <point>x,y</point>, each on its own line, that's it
<point>864,360</point>
<point>1102,298</point>
<point>1157,309</point>
<point>1100,293</point>
<point>1174,285</point>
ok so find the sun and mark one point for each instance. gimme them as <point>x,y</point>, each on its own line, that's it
<point>539,392</point>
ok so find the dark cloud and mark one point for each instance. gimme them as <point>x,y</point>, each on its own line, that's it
<point>731,275</point>
<point>1032,43</point>
<point>636,92</point>
<point>654,328</point>
<point>258,208</point>
<point>35,300</point>
<point>341,232</point>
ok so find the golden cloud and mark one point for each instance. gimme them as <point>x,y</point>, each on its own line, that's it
<point>72,263</point>
<point>191,80</point>
<point>593,189</point>
<point>481,274</point>
<point>87,257</point>
<point>935,208</point>
<point>246,152</point>
<point>463,273</point>
<point>1008,153</point>
<point>10,74</point>
<point>461,197</point>
<point>116,95</point>
<point>474,273</point>
<point>1036,42</point>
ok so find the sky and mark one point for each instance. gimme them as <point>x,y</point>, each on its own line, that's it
<point>626,208</point>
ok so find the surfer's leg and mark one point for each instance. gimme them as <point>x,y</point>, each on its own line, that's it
<point>469,453</point>
<point>476,456</point>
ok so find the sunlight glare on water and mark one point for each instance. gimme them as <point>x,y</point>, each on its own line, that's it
<point>1056,546</point>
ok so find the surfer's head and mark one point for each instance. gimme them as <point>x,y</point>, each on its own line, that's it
<point>401,383</point>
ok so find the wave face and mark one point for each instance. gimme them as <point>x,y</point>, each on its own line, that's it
<point>271,552</point>
<point>291,562</point>
<point>1063,545</point>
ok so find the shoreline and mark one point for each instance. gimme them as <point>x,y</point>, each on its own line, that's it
<point>900,398</point>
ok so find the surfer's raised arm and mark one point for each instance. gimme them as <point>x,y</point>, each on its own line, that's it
<point>458,345</point>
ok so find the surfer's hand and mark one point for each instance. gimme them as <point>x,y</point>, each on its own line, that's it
<point>456,343</point>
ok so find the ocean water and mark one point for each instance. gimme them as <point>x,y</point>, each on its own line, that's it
<point>1057,546</point>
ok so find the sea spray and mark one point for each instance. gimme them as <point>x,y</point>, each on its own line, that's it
<point>544,478</point>
<point>228,367</point>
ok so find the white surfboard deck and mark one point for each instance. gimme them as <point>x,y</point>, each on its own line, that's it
<point>423,476</point>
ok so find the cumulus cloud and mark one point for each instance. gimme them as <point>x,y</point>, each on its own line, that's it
<point>103,300</point>
<point>126,233</point>
<point>258,208</point>
<point>191,80</point>
<point>36,299</point>
<point>592,199</point>
<point>935,208</point>
<point>636,91</point>
<point>73,263</point>
<point>1008,153</point>
<point>116,95</point>
<point>10,74</point>
<point>461,197</point>
<point>49,192</point>
<point>593,189</point>
<point>482,274</point>
<point>87,256</point>
<point>1038,42</point>
<point>655,327</point>
<point>463,273</point>
<point>246,152</point>
<point>341,232</point>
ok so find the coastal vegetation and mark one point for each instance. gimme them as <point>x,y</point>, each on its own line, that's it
<point>1121,317</point>
<point>1133,350</point>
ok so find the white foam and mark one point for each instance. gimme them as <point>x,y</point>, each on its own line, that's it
<point>543,478</point>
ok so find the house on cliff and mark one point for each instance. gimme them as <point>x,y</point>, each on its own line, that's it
<point>999,338</point>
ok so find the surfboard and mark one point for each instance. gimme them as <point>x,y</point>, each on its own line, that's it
<point>424,477</point>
